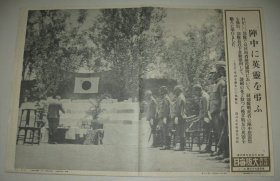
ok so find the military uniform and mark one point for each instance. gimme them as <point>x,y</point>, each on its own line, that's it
<point>151,116</point>
<point>204,106</point>
<point>223,144</point>
<point>165,121</point>
<point>53,117</point>
<point>180,116</point>
<point>205,119</point>
<point>214,110</point>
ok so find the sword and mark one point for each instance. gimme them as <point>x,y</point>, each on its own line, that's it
<point>150,135</point>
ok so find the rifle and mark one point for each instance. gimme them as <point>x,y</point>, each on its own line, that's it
<point>191,118</point>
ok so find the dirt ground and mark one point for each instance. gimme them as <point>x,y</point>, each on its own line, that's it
<point>120,152</point>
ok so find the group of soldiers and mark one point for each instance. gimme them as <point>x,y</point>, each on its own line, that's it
<point>168,119</point>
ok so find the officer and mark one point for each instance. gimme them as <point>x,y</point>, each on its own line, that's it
<point>53,117</point>
<point>180,118</point>
<point>223,144</point>
<point>214,110</point>
<point>165,123</point>
<point>151,116</point>
<point>204,116</point>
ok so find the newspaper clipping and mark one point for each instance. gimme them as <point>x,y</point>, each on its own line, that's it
<point>142,91</point>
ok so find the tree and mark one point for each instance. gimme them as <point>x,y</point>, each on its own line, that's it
<point>52,48</point>
<point>191,58</point>
<point>126,41</point>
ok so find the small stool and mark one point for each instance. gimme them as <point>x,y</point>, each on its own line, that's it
<point>194,135</point>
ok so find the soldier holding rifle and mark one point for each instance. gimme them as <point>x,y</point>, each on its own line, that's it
<point>151,116</point>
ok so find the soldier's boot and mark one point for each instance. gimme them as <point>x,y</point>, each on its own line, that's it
<point>168,144</point>
<point>182,145</point>
<point>216,153</point>
<point>226,160</point>
<point>207,149</point>
<point>177,147</point>
<point>220,157</point>
<point>154,144</point>
<point>164,143</point>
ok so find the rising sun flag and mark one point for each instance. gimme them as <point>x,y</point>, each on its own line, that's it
<point>86,85</point>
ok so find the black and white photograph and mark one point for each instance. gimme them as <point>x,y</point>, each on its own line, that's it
<point>124,90</point>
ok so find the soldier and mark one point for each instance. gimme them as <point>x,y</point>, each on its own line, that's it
<point>180,118</point>
<point>53,117</point>
<point>214,110</point>
<point>223,144</point>
<point>151,116</point>
<point>216,99</point>
<point>204,116</point>
<point>165,123</point>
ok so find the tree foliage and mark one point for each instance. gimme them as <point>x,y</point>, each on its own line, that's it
<point>191,57</point>
<point>126,41</point>
<point>53,48</point>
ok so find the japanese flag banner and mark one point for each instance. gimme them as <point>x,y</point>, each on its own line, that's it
<point>86,85</point>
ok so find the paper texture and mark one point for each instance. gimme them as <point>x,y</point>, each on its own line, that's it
<point>146,91</point>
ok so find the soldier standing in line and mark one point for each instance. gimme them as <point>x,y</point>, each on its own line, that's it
<point>214,110</point>
<point>151,116</point>
<point>165,123</point>
<point>204,116</point>
<point>223,144</point>
<point>219,90</point>
<point>180,118</point>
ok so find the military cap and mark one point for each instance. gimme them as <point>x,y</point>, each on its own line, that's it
<point>197,87</point>
<point>178,88</point>
<point>148,93</point>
